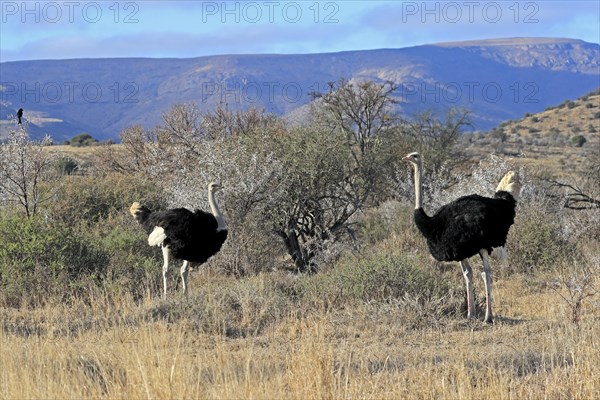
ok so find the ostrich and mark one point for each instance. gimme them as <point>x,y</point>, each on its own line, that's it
<point>19,116</point>
<point>193,237</point>
<point>467,226</point>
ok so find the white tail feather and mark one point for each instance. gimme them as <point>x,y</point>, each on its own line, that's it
<point>157,236</point>
<point>510,183</point>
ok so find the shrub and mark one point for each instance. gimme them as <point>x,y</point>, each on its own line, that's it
<point>90,199</point>
<point>381,277</point>
<point>134,267</point>
<point>39,260</point>
<point>535,241</point>
<point>83,139</point>
<point>382,222</point>
<point>65,166</point>
<point>554,133</point>
<point>578,140</point>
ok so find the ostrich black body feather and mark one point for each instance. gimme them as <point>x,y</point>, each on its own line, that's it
<point>190,236</point>
<point>461,229</point>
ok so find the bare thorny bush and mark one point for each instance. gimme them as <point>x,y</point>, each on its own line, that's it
<point>578,198</point>
<point>578,282</point>
<point>23,167</point>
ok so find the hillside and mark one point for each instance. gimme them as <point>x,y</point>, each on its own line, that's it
<point>562,137</point>
<point>497,79</point>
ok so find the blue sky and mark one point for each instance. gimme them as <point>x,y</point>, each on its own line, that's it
<point>80,29</point>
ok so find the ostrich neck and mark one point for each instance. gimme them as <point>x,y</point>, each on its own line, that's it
<point>216,212</point>
<point>418,196</point>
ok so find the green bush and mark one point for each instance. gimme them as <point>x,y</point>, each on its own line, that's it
<point>90,199</point>
<point>65,166</point>
<point>40,260</point>
<point>578,140</point>
<point>86,240</point>
<point>83,139</point>
<point>382,277</point>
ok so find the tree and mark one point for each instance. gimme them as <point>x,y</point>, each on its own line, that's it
<point>299,184</point>
<point>323,189</point>
<point>83,139</point>
<point>578,191</point>
<point>226,122</point>
<point>578,140</point>
<point>435,138</point>
<point>22,167</point>
<point>361,110</point>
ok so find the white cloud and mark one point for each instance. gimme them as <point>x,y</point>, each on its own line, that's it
<point>188,29</point>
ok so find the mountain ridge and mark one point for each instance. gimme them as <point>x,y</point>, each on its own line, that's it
<point>497,79</point>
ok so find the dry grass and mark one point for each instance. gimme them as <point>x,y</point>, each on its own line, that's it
<point>118,349</point>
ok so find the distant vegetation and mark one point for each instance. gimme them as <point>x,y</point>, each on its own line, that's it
<point>83,139</point>
<point>571,124</point>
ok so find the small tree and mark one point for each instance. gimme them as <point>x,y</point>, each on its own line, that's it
<point>226,122</point>
<point>578,140</point>
<point>436,138</point>
<point>22,166</point>
<point>361,110</point>
<point>83,139</point>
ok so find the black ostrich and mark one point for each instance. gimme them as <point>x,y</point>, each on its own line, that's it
<point>19,116</point>
<point>193,237</point>
<point>467,226</point>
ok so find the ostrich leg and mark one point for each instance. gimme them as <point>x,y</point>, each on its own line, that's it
<point>166,252</point>
<point>468,274</point>
<point>184,275</point>
<point>487,278</point>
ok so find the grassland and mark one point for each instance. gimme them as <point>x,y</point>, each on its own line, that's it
<point>180,349</point>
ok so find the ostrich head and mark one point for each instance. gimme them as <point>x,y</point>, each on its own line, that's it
<point>414,158</point>
<point>214,186</point>
<point>135,207</point>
